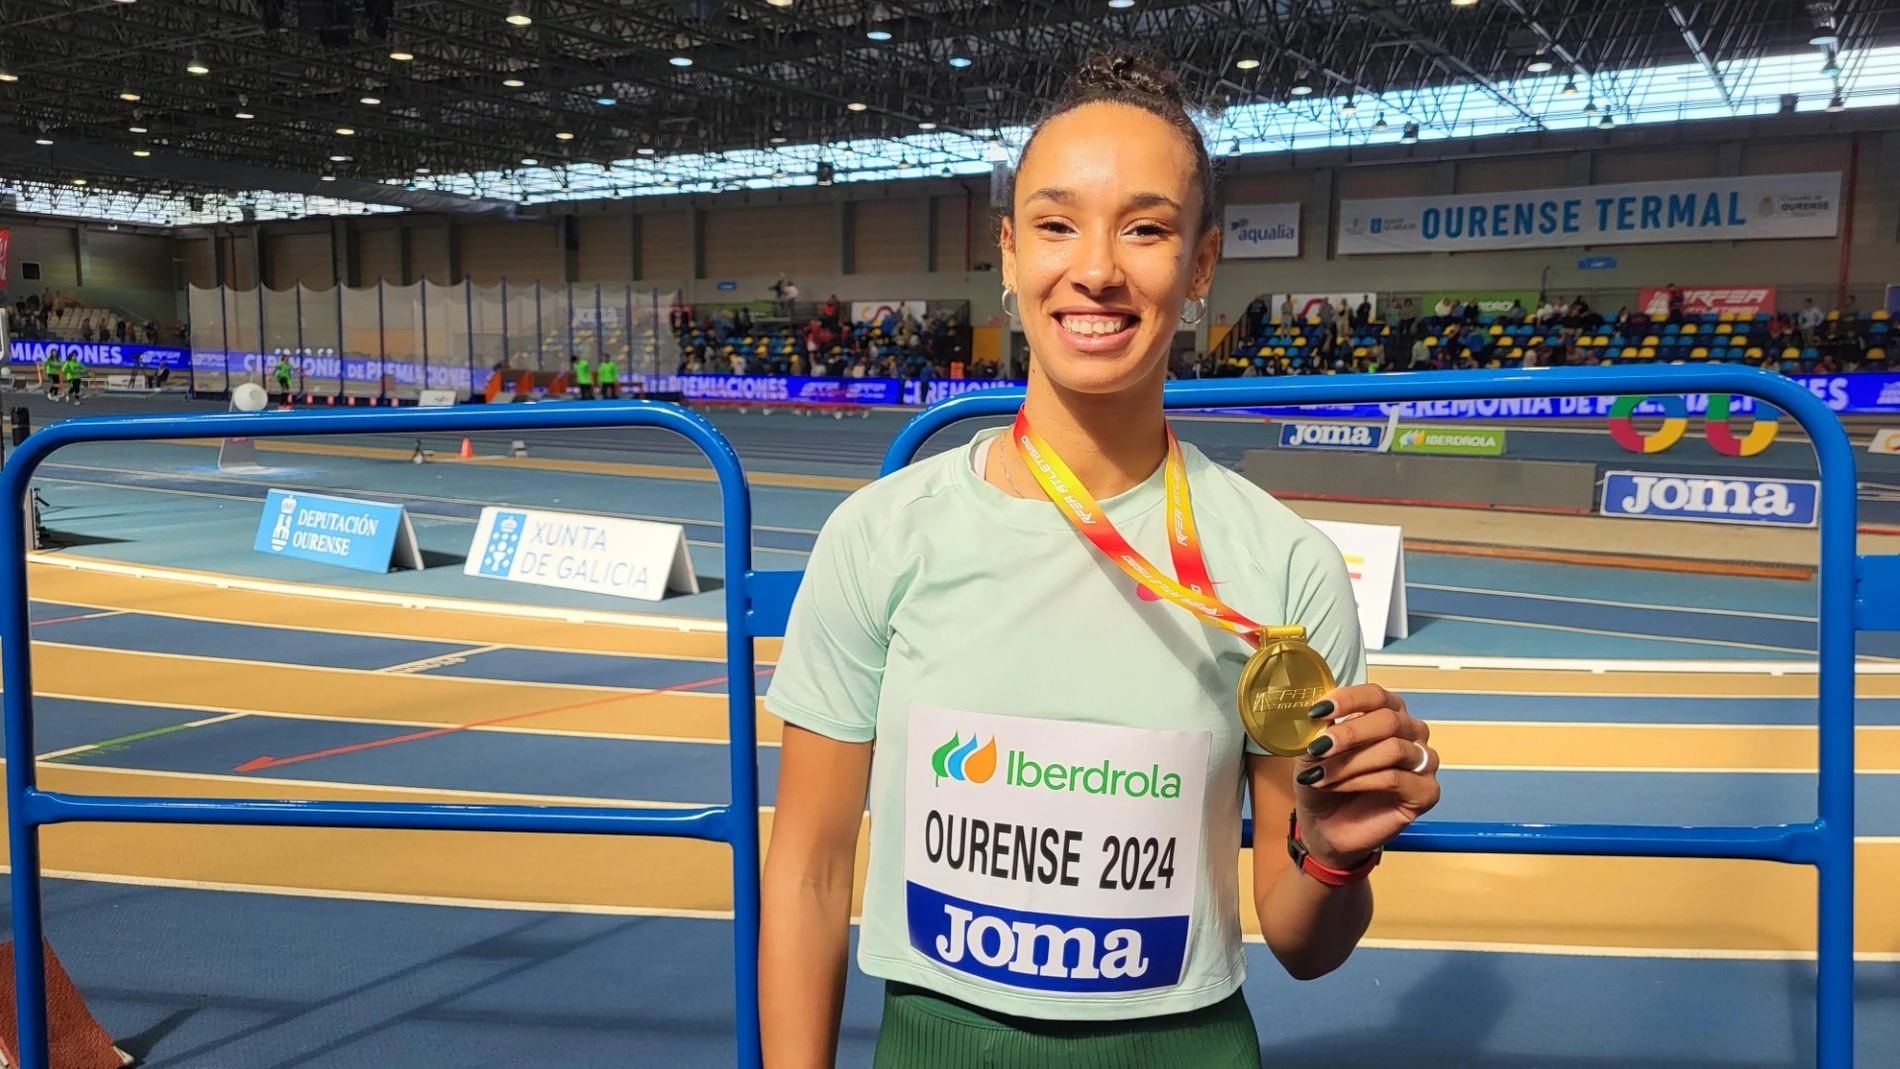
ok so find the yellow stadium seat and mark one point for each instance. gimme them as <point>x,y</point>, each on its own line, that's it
<point>1537,340</point>
<point>1753,353</point>
<point>1688,328</point>
<point>1430,341</point>
<point>1876,354</point>
<point>1699,353</point>
<point>1880,315</point>
<point>1496,330</point>
<point>1274,322</point>
<point>1791,353</point>
<point>1359,351</point>
<point>1727,317</point>
<point>1647,352</point>
<point>1507,341</point>
<point>1723,327</point>
<point>1834,314</point>
<point>1651,339</point>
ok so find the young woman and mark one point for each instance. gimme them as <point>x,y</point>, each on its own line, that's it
<point>1059,769</point>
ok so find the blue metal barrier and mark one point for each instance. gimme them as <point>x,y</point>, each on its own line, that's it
<point>1826,842</point>
<point>756,604</point>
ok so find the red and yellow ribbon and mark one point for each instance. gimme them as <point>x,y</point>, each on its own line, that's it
<point>1194,591</point>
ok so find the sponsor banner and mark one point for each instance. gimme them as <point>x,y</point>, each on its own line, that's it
<point>1296,434</point>
<point>1698,300</point>
<point>877,311</point>
<point>1259,231</point>
<point>1857,394</point>
<point>598,554</point>
<point>930,391</point>
<point>1306,305</point>
<point>1596,263</point>
<point>1490,302</point>
<point>1052,855</point>
<point>1446,441</point>
<point>1375,562</point>
<point>1632,213</point>
<point>369,536</point>
<point>443,376</point>
<point>1711,498</point>
<point>102,354</point>
<point>1885,441</point>
<point>436,399</point>
<point>786,389</point>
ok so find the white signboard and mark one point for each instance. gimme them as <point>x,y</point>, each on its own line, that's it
<point>1256,231</point>
<point>1306,305</point>
<point>436,399</point>
<point>1375,558</point>
<point>877,311</point>
<point>599,554</point>
<point>1885,441</point>
<point>1632,213</point>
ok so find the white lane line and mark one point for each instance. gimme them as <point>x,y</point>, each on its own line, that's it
<point>440,660</point>
<point>1529,596</point>
<point>1615,634</point>
<point>71,750</point>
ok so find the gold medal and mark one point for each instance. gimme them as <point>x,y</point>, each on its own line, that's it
<point>1281,682</point>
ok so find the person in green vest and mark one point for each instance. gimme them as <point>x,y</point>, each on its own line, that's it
<point>50,368</point>
<point>74,374</point>
<point>609,377</point>
<point>584,377</point>
<point>285,373</point>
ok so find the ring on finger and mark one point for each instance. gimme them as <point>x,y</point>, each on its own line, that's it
<point>1424,757</point>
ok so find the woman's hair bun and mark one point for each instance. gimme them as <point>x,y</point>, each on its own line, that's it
<point>1111,75</point>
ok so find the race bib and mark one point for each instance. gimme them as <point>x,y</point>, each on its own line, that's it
<point>1051,855</point>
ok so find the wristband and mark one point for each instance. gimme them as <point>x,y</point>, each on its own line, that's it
<point>1325,874</point>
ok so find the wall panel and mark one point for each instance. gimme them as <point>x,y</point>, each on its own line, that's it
<point>890,235</point>
<point>795,239</point>
<point>302,258</point>
<point>666,251</point>
<point>523,253</point>
<point>378,256</point>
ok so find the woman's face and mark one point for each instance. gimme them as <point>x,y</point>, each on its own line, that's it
<point>1105,244</point>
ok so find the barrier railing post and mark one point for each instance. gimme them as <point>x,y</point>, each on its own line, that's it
<point>1828,841</point>
<point>735,823</point>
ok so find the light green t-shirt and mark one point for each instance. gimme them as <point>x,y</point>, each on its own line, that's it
<point>1082,862</point>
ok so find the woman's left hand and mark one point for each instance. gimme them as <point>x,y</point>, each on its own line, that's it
<point>1372,773</point>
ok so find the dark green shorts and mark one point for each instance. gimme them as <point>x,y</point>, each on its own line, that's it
<point>925,1030</point>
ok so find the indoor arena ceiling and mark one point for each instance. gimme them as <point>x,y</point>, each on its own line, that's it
<point>420,87</point>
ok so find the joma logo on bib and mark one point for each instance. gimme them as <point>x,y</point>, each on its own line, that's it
<point>1046,951</point>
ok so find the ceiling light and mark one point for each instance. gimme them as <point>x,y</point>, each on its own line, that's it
<point>1570,87</point>
<point>681,61</point>
<point>1246,64</point>
<point>137,129</point>
<point>518,15</point>
<point>1835,103</point>
<point>606,102</point>
<point>513,83</point>
<point>1463,3</point>
<point>960,57</point>
<point>1606,122</point>
<point>1349,108</point>
<point>400,55</point>
<point>529,161</point>
<point>1381,124</point>
<point>1410,136</point>
<point>346,131</point>
<point>196,66</point>
<point>328,177</point>
<point>422,170</point>
<point>926,125</point>
<point>1590,108</point>
<point>245,115</point>
<point>903,164</point>
<point>563,135</point>
<point>1539,64</point>
<point>128,95</point>
<point>8,76</point>
<point>778,174</point>
<point>879,35</point>
<point>79,181</point>
<point>1234,149</point>
<point>141,152</point>
<point>1824,39</point>
<point>339,158</point>
<point>778,139</point>
<point>780,3</point>
<point>856,105</point>
<point>1832,68</point>
<point>42,141</point>
<point>645,150</point>
<point>1121,5</point>
<point>1301,86</point>
<point>371,101</point>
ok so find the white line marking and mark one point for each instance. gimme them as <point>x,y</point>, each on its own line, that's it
<point>439,661</point>
<point>1613,634</point>
<point>1528,595</point>
<point>70,750</point>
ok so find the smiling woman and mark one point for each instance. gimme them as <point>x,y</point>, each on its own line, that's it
<point>1059,761</point>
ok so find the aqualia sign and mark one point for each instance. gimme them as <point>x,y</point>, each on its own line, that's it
<point>1711,498</point>
<point>1260,231</point>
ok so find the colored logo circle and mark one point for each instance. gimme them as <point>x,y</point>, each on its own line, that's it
<point>1720,428</point>
<point>1675,422</point>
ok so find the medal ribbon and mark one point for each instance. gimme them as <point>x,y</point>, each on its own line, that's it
<point>1194,591</point>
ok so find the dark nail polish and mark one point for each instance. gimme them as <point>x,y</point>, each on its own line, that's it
<point>1323,709</point>
<point>1311,776</point>
<point>1320,745</point>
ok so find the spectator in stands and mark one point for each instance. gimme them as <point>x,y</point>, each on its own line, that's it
<point>1809,319</point>
<point>1254,319</point>
<point>1326,316</point>
<point>1421,354</point>
<point>120,333</point>
<point>85,328</point>
<point>1362,315</point>
<point>151,332</point>
<point>1675,302</point>
<point>1515,314</point>
<point>829,313</point>
<point>1286,309</point>
<point>1342,317</point>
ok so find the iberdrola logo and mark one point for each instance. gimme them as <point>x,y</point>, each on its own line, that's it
<point>1413,438</point>
<point>965,761</point>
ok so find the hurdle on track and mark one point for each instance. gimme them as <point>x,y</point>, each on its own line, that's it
<point>757,604</point>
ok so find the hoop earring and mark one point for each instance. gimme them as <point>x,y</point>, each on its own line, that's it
<point>1196,305</point>
<point>1012,311</point>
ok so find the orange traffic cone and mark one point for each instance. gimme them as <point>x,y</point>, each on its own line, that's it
<point>468,450</point>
